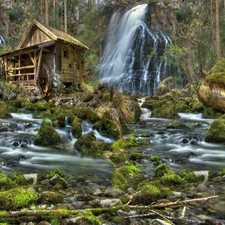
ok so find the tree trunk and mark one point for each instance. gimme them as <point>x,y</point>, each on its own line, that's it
<point>218,50</point>
<point>65,15</point>
<point>46,13</point>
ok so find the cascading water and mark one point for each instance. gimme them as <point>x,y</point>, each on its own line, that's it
<point>2,40</point>
<point>133,58</point>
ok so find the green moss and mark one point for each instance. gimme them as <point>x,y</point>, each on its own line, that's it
<point>50,197</point>
<point>47,135</point>
<point>216,132</point>
<point>118,180</point>
<point>77,128</point>
<point>91,219</point>
<point>4,110</point>
<point>135,156</point>
<point>17,198</point>
<point>167,110</point>
<point>118,157</point>
<point>222,172</point>
<point>155,159</point>
<point>171,179</point>
<point>86,113</point>
<point>107,126</point>
<point>41,105</point>
<point>181,106</point>
<point>130,141</point>
<point>58,180</point>
<point>130,169</point>
<point>146,195</point>
<point>5,182</point>
<point>21,180</point>
<point>176,125</point>
<point>161,170</point>
<point>210,113</point>
<point>151,103</point>
<point>53,173</point>
<point>197,106</point>
<point>88,146</point>
<point>190,177</point>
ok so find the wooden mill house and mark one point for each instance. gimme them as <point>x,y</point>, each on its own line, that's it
<point>46,59</point>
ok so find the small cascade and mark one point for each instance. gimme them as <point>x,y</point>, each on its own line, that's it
<point>2,40</point>
<point>133,58</point>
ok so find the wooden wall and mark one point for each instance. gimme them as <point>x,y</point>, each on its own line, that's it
<point>72,64</point>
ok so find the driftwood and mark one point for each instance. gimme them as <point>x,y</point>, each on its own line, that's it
<point>164,205</point>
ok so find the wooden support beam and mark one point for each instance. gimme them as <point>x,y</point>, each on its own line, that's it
<point>38,66</point>
<point>21,68</point>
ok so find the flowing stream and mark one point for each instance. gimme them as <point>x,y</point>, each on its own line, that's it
<point>133,59</point>
<point>19,154</point>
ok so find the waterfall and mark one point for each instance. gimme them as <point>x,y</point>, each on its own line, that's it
<point>133,59</point>
<point>2,40</point>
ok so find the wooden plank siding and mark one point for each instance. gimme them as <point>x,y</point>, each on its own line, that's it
<point>72,65</point>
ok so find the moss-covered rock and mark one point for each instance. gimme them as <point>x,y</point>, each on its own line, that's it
<point>77,127</point>
<point>216,132</point>
<point>118,180</point>
<point>86,113</point>
<point>197,106</point>
<point>5,182</point>
<point>155,159</point>
<point>210,113</point>
<point>107,126</point>
<point>17,198</point>
<point>125,143</point>
<point>89,146</point>
<point>151,103</point>
<point>171,179</point>
<point>118,157</point>
<point>50,197</point>
<point>161,170</point>
<point>47,135</point>
<point>167,110</point>
<point>4,110</point>
<point>166,86</point>
<point>146,195</point>
<point>57,179</point>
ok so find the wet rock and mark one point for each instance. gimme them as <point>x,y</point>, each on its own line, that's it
<point>107,203</point>
<point>33,176</point>
<point>98,192</point>
<point>204,173</point>
<point>202,188</point>
<point>113,192</point>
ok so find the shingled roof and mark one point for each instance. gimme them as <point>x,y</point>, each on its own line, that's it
<point>52,33</point>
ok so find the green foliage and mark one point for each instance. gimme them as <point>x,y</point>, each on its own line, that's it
<point>55,221</point>
<point>20,179</point>
<point>130,169</point>
<point>183,14</point>
<point>5,182</point>
<point>135,156</point>
<point>15,14</point>
<point>4,110</point>
<point>50,197</point>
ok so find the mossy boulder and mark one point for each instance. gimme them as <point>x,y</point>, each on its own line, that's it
<point>107,126</point>
<point>171,179</point>
<point>77,127</point>
<point>161,170</point>
<point>197,106</point>
<point>86,113</point>
<point>5,182</point>
<point>4,110</point>
<point>17,198</point>
<point>216,132</point>
<point>210,113</point>
<point>166,111</point>
<point>166,86</point>
<point>151,103</point>
<point>119,181</point>
<point>50,197</point>
<point>146,195</point>
<point>125,143</point>
<point>41,105</point>
<point>57,179</point>
<point>89,146</point>
<point>47,135</point>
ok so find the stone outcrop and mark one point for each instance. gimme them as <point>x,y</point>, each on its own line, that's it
<point>213,96</point>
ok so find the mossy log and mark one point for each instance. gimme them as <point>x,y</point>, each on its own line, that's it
<point>63,213</point>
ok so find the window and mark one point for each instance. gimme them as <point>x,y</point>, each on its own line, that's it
<point>65,53</point>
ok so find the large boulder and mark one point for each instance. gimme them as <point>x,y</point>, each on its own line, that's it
<point>216,132</point>
<point>47,135</point>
